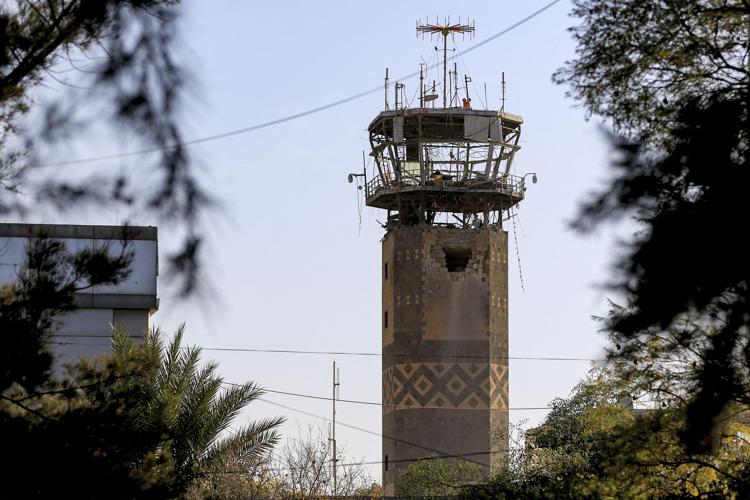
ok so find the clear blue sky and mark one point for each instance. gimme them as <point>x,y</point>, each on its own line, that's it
<point>290,267</point>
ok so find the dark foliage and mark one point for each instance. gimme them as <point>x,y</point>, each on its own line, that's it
<point>639,60</point>
<point>691,257</point>
<point>145,421</point>
<point>673,78</point>
<point>124,426</point>
<point>84,439</point>
<point>44,289</point>
<point>134,79</point>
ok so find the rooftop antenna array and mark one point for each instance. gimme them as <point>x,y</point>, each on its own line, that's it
<point>445,28</point>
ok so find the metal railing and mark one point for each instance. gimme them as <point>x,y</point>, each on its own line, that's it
<point>448,180</point>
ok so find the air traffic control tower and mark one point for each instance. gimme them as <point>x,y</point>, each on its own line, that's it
<point>443,173</point>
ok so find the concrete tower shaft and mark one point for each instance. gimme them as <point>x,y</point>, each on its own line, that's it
<point>445,346</point>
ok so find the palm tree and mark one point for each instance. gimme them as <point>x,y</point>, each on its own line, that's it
<point>193,408</point>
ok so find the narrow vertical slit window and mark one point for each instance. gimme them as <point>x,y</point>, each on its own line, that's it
<point>385,319</point>
<point>385,271</point>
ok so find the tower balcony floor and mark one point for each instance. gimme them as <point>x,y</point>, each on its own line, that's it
<point>470,196</point>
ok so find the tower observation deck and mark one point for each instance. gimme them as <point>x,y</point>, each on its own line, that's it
<point>444,175</point>
<point>444,160</point>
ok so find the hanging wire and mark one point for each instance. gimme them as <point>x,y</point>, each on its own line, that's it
<point>359,207</point>
<point>328,353</point>
<point>518,253</point>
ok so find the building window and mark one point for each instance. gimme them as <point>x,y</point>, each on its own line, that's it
<point>385,271</point>
<point>385,319</point>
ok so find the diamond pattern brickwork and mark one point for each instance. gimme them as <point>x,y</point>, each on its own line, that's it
<point>448,385</point>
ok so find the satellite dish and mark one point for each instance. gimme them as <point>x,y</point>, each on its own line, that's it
<point>430,97</point>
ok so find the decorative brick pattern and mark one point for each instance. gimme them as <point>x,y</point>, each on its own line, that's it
<point>449,385</point>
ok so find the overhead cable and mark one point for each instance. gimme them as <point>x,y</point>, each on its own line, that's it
<point>375,403</point>
<point>291,117</point>
<point>339,353</point>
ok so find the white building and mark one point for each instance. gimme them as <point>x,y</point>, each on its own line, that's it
<point>128,305</point>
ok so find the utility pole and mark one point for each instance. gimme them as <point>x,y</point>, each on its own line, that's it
<point>336,384</point>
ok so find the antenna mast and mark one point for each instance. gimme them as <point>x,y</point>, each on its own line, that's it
<point>445,28</point>
<point>421,86</point>
<point>386,88</point>
<point>502,87</point>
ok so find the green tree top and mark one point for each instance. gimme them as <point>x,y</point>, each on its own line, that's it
<point>638,60</point>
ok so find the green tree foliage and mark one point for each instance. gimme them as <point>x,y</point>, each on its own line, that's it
<point>638,61</point>
<point>195,407</point>
<point>673,76</point>
<point>594,444</point>
<point>82,438</point>
<point>145,421</point>
<point>436,477</point>
<point>238,478</point>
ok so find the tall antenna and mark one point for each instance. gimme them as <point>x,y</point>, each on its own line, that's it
<point>386,89</point>
<point>421,86</point>
<point>445,28</point>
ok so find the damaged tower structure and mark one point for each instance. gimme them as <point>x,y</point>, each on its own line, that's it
<point>443,173</point>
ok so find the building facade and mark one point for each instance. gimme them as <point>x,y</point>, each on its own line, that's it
<point>128,305</point>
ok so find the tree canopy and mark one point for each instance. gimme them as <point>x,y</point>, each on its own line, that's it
<point>638,61</point>
<point>672,77</point>
<point>602,442</point>
<point>144,421</point>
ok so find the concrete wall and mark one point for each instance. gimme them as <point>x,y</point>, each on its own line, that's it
<point>129,304</point>
<point>445,370</point>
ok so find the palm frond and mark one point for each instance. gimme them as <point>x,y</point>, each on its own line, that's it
<point>228,405</point>
<point>184,401</point>
<point>122,343</point>
<point>249,442</point>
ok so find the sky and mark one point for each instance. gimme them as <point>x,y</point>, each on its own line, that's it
<point>293,255</point>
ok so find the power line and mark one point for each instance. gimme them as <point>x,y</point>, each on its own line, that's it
<point>378,434</point>
<point>403,460</point>
<point>369,403</point>
<point>375,403</point>
<point>294,116</point>
<point>341,353</point>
